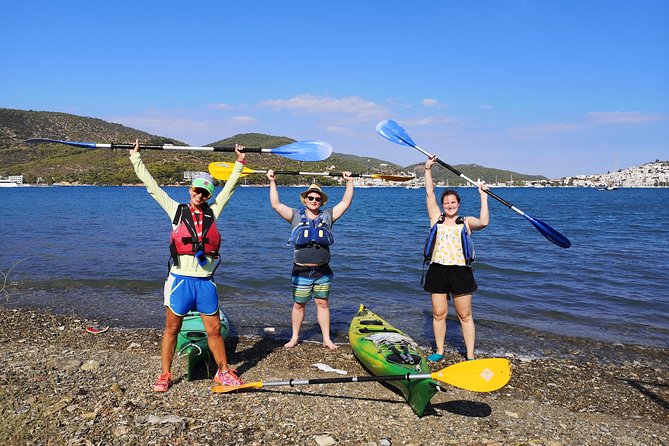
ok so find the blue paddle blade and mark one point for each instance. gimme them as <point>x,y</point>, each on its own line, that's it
<point>88,145</point>
<point>393,132</point>
<point>305,150</point>
<point>548,232</point>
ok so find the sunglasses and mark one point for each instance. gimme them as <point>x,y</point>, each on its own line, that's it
<point>200,191</point>
<point>314,198</point>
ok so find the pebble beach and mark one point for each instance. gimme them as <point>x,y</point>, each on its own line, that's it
<point>60,385</point>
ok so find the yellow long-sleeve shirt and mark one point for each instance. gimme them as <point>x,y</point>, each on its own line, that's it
<point>187,265</point>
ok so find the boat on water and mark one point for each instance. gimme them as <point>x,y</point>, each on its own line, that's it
<point>385,350</point>
<point>192,341</point>
<point>8,183</point>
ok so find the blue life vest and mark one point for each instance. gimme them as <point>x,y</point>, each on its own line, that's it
<point>311,232</point>
<point>467,242</point>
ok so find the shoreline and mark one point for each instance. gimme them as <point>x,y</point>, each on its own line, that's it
<point>62,385</point>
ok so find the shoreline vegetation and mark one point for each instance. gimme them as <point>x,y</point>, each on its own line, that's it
<point>62,385</point>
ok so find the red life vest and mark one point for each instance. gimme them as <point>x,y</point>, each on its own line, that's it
<point>194,232</point>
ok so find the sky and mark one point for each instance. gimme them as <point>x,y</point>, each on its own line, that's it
<point>555,88</point>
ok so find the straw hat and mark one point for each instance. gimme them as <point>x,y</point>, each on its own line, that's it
<point>314,188</point>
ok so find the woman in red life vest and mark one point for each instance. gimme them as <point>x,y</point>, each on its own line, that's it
<point>190,286</point>
<point>449,274</point>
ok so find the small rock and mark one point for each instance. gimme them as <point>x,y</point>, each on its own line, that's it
<point>115,388</point>
<point>133,345</point>
<point>511,414</point>
<point>324,440</point>
<point>385,442</point>
<point>91,364</point>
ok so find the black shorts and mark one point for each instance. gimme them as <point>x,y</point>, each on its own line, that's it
<point>456,280</point>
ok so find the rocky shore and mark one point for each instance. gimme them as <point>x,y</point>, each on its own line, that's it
<point>60,385</point>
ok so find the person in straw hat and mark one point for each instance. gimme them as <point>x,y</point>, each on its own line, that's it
<point>311,237</point>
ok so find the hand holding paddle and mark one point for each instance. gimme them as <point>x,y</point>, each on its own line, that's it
<point>480,375</point>
<point>222,171</point>
<point>393,132</point>
<point>299,151</point>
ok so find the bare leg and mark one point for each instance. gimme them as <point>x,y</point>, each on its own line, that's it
<point>212,325</point>
<point>169,341</point>
<point>323,314</point>
<point>296,318</point>
<point>463,306</point>
<point>439,313</point>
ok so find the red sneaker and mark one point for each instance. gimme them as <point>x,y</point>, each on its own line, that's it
<point>228,378</point>
<point>163,383</point>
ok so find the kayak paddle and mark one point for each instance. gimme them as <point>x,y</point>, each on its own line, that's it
<point>222,171</point>
<point>300,150</point>
<point>393,132</point>
<point>479,375</point>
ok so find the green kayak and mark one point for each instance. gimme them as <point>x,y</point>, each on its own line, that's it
<point>192,341</point>
<point>384,350</point>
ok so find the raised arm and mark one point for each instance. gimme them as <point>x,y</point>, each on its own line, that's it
<point>231,184</point>
<point>433,211</point>
<point>346,200</point>
<point>482,221</point>
<point>284,211</point>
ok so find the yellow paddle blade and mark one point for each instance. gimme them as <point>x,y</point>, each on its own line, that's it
<point>222,171</point>
<point>391,177</point>
<point>226,389</point>
<point>480,375</point>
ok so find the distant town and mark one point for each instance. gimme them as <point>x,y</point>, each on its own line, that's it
<point>652,174</point>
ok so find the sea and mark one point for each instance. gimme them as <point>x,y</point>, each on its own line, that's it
<point>101,253</point>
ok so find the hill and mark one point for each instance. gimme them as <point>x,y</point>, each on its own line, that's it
<point>53,163</point>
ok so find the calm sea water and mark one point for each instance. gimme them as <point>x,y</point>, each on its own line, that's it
<point>101,252</point>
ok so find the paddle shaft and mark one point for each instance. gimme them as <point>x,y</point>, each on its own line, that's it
<point>352,379</point>
<point>469,180</point>
<point>323,174</point>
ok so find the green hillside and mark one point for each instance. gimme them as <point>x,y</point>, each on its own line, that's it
<point>54,163</point>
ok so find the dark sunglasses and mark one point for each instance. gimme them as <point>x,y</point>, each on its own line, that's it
<point>312,198</point>
<point>200,191</point>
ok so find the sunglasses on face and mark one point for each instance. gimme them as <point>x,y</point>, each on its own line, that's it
<point>316,198</point>
<point>200,191</point>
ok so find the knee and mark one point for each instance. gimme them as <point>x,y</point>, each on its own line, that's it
<point>172,329</point>
<point>213,332</point>
<point>439,315</point>
<point>321,303</point>
<point>465,318</point>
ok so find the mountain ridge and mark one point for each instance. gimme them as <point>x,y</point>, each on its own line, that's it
<point>54,163</point>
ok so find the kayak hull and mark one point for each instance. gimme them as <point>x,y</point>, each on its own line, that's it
<point>192,341</point>
<point>385,350</point>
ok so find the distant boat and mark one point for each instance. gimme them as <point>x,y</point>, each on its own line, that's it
<point>608,188</point>
<point>8,183</point>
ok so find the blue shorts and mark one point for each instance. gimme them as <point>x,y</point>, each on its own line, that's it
<point>311,282</point>
<point>184,294</point>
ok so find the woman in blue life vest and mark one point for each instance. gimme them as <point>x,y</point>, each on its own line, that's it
<point>311,237</point>
<point>190,286</point>
<point>450,274</point>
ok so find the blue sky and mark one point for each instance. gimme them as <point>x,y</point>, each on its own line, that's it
<point>544,87</point>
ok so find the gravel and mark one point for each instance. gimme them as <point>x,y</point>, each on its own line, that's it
<point>62,385</point>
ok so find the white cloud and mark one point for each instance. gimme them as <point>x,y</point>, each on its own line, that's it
<point>309,104</point>
<point>236,120</point>
<point>619,117</point>
<point>223,106</point>
<point>540,130</point>
<point>429,102</point>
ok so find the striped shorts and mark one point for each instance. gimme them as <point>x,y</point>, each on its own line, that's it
<point>311,283</point>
